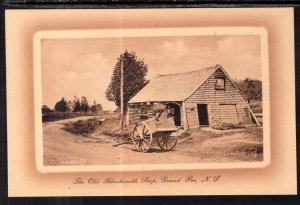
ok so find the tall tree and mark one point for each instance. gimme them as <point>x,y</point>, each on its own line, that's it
<point>134,78</point>
<point>77,105</point>
<point>84,104</point>
<point>70,106</point>
<point>61,106</point>
<point>96,108</point>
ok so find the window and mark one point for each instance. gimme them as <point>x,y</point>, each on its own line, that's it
<point>220,84</point>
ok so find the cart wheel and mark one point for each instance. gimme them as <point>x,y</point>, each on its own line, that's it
<point>167,142</point>
<point>142,137</point>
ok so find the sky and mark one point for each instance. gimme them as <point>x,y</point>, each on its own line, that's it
<point>83,67</point>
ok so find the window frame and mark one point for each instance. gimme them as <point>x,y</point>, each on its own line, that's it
<point>216,80</point>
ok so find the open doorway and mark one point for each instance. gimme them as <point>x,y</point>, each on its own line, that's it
<point>202,114</point>
<point>175,108</point>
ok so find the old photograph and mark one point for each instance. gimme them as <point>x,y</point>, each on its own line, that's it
<point>150,102</point>
<point>132,99</point>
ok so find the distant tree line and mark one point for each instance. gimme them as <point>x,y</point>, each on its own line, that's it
<point>251,88</point>
<point>75,105</point>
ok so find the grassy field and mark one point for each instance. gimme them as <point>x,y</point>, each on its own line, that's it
<point>236,145</point>
<point>55,116</point>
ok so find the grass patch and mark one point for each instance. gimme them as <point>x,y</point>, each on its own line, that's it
<point>256,106</point>
<point>83,126</point>
<point>229,126</point>
<point>195,136</point>
<point>110,126</point>
<point>249,148</point>
<point>248,152</point>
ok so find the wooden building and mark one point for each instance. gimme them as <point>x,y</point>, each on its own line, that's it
<point>206,97</point>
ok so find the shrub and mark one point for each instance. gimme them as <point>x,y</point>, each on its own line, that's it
<point>83,126</point>
<point>46,109</point>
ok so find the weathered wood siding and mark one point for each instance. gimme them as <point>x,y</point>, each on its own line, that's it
<point>135,115</point>
<point>224,106</point>
<point>228,114</point>
<point>192,115</point>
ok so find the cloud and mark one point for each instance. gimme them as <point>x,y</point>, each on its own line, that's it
<point>94,72</point>
<point>176,49</point>
<point>176,56</point>
<point>249,45</point>
<point>84,67</point>
<point>81,74</point>
<point>240,55</point>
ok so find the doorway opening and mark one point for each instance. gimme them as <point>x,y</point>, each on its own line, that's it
<point>202,114</point>
<point>175,112</point>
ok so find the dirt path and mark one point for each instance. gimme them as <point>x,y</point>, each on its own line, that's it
<point>64,148</point>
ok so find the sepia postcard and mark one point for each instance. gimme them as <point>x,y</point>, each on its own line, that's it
<point>146,102</point>
<point>180,104</point>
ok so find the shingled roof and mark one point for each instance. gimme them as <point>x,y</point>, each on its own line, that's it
<point>173,87</point>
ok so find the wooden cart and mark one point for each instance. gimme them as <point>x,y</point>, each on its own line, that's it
<point>162,128</point>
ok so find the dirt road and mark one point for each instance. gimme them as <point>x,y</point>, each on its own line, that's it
<point>64,148</point>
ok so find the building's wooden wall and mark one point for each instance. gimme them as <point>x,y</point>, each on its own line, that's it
<point>192,115</point>
<point>134,112</point>
<point>220,103</point>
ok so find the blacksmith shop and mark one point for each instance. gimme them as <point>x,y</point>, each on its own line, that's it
<point>201,98</point>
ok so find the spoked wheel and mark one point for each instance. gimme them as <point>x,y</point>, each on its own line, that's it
<point>167,142</point>
<point>142,137</point>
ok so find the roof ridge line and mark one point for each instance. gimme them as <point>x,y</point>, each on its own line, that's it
<point>161,75</point>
